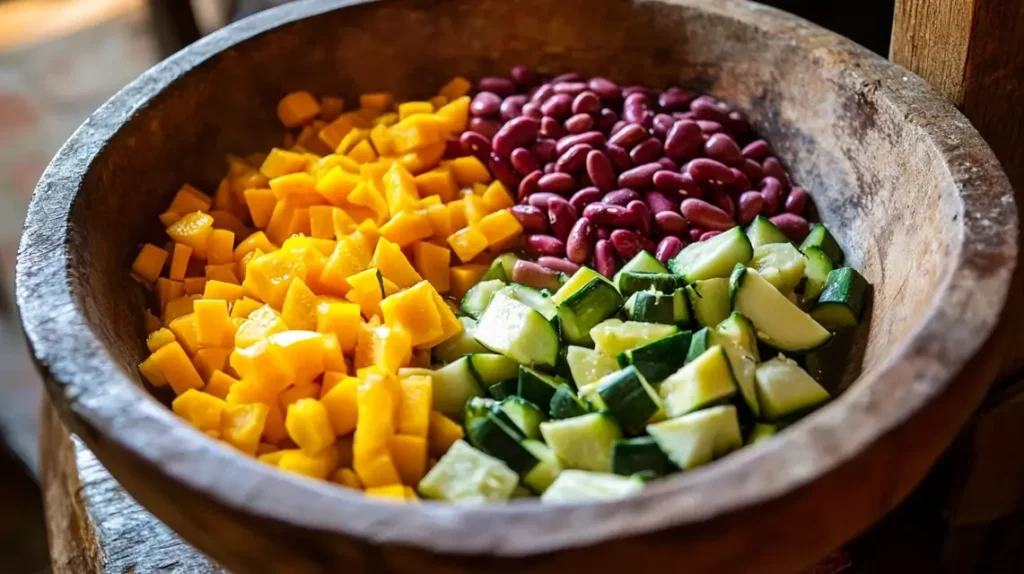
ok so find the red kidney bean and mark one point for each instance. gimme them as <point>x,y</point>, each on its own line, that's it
<point>629,136</point>
<point>485,104</point>
<point>752,170</point>
<point>750,205</point>
<point>703,169</point>
<point>556,182</point>
<point>503,172</point>
<point>773,167</point>
<point>742,182</point>
<point>695,234</point>
<point>722,200</point>
<point>604,88</point>
<point>602,213</point>
<point>723,148</point>
<point>570,88</point>
<point>567,77</point>
<point>796,201</point>
<point>549,167</point>
<point>544,91</point>
<point>529,185</point>
<point>626,243</point>
<point>475,144</point>
<point>579,123</point>
<point>544,150</point>
<point>646,151</point>
<point>675,99</point>
<point>580,242</point>
<point>684,116</point>
<point>640,215</point>
<point>603,232</point>
<point>670,223</point>
<point>517,132</point>
<point>523,161</point>
<point>561,215</point>
<point>541,199</point>
<point>606,119</point>
<point>708,127</point>
<point>738,122</point>
<point>531,218</point>
<point>708,235</point>
<point>599,168</point>
<point>574,159</point>
<point>668,248</point>
<point>771,191</point>
<point>558,265</point>
<point>757,149</point>
<point>485,127</point>
<point>668,181</point>
<point>618,156</point>
<point>657,202</point>
<point>524,76</point>
<point>661,124</point>
<point>586,103</point>
<point>537,245</point>
<point>636,96</point>
<point>640,177</point>
<point>604,258</point>
<point>704,108</point>
<point>549,127</point>
<point>668,164</point>
<point>500,86</point>
<point>558,106</point>
<point>794,226</point>
<point>453,148</point>
<point>584,197</point>
<point>533,275</point>
<point>532,110</point>
<point>620,197</point>
<point>706,215</point>
<point>617,127</point>
<point>595,139</point>
<point>648,244</point>
<point>683,140</point>
<point>512,107</point>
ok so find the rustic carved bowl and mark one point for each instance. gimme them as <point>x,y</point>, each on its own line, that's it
<point>909,188</point>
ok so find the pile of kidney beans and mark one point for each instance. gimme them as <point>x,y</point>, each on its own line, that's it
<point>602,171</point>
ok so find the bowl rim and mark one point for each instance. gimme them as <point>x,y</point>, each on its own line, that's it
<point>101,402</point>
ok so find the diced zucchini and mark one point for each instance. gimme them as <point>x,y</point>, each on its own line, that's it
<point>453,385</point>
<point>643,262</point>
<point>820,238</point>
<point>464,475</point>
<point>583,442</point>
<point>537,387</point>
<point>781,264</point>
<point>476,299</point>
<point>582,486</point>
<point>532,298</point>
<point>659,359</point>
<point>518,332</point>
<point>585,300</point>
<point>526,415</point>
<point>706,380</point>
<point>842,302</point>
<point>630,282</point>
<point>523,492</point>
<point>698,344</point>
<point>497,438</point>
<point>778,322</point>
<point>503,389</point>
<point>565,404</point>
<point>761,231</point>
<point>709,300</point>
<point>737,338</point>
<point>715,257</point>
<point>816,269</point>
<point>653,307</point>
<point>760,432</point>
<point>614,336</point>
<point>508,262</point>
<point>786,389</point>
<point>641,456</point>
<point>698,438</point>
<point>588,365</point>
<point>490,369</point>
<point>459,345</point>
<point>496,272</point>
<point>547,469</point>
<point>478,408</point>
<point>627,397</point>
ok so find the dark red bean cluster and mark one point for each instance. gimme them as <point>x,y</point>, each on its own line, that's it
<point>602,171</point>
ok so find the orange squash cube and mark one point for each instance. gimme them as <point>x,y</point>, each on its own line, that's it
<point>282,162</point>
<point>363,152</point>
<point>193,229</point>
<point>294,393</point>
<point>456,215</point>
<point>258,240</point>
<point>418,131</point>
<point>351,255</point>
<point>337,184</point>
<point>184,329</point>
<point>159,338</point>
<point>456,88</point>
<point>442,434</point>
<point>302,351</point>
<point>347,477</point>
<point>380,137</point>
<point>189,199</point>
<point>220,247</point>
<point>468,243</point>
<point>195,285</point>
<point>455,114</point>
<point>409,454</point>
<point>179,261</point>
<point>469,170</point>
<point>475,209</point>
<point>368,196</point>
<point>228,221</point>
<point>367,291</point>
<point>400,189</point>
<point>272,274</point>
<point>297,108</point>
<point>378,101</point>
<point>342,405</point>
<point>224,272</point>
<point>407,109</point>
<point>500,227</point>
<point>298,189</point>
<point>222,290</point>
<point>423,159</point>
<point>201,410</point>
<point>497,197</point>
<point>465,276</point>
<point>414,312</point>
<point>334,358</point>
<point>431,262</point>
<point>242,426</point>
<point>181,374</point>
<point>382,346</point>
<point>440,221</point>
<point>439,181</point>
<point>376,471</point>
<point>150,262</point>
<point>321,221</point>
<point>299,307</point>
<point>329,381</point>
<point>351,139</point>
<point>178,307</point>
<point>213,324</point>
<point>243,307</point>
<point>261,323</point>
<point>406,228</point>
<point>168,290</point>
<point>307,424</point>
<point>207,361</point>
<point>341,319</point>
<point>391,262</point>
<point>319,465</point>
<point>264,365</point>
<point>152,373</point>
<point>219,384</point>
<point>331,107</point>
<point>413,416</point>
<point>450,325</point>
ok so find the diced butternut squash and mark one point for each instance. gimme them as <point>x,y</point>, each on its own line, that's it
<point>438,182</point>
<point>272,274</point>
<point>179,261</point>
<point>431,262</point>
<point>152,373</point>
<point>400,189</point>
<point>195,285</point>
<point>194,230</point>
<point>200,409</point>
<point>368,196</point>
<point>222,290</point>
<point>500,227</point>
<point>261,323</point>
<point>413,416</point>
<point>379,101</point>
<point>442,434</point>
<point>334,357</point>
<point>258,240</point>
<point>189,199</point>
<point>224,272</point>
<point>367,291</point>
<point>220,384</point>
<point>406,228</point>
<point>242,426</point>
<point>159,338</point>
<point>407,109</point>
<point>339,318</point>
<point>168,290</point>
<point>181,374</point>
<point>319,465</point>
<point>455,114</point>
<point>440,221</point>
<point>363,152</point>
<point>467,243</point>
<point>391,262</point>
<point>242,308</point>
<point>329,381</point>
<point>331,107</point>
<point>264,365</point>
<point>409,454</point>
<point>423,159</point>
<point>347,477</point>
<point>413,311</point>
<point>184,329</point>
<point>297,108</point>
<point>351,255</point>
<point>469,170</point>
<point>299,307</point>
<point>150,262</point>
<point>465,276</point>
<point>450,325</point>
<point>213,324</point>
<point>375,419</point>
<point>455,88</point>
<point>282,162</point>
<point>456,215</point>
<point>294,393</point>
<point>308,425</point>
<point>377,470</point>
<point>151,321</point>
<point>343,223</point>
<point>380,137</point>
<point>321,221</point>
<point>337,184</point>
<point>342,405</point>
<point>302,351</point>
<point>497,197</point>
<point>209,360</point>
<point>383,346</point>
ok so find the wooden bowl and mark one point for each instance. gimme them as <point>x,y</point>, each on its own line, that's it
<point>909,188</point>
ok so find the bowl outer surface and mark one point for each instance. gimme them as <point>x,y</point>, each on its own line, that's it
<point>914,195</point>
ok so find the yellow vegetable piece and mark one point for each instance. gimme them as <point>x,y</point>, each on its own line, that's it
<point>258,240</point>
<point>184,329</point>
<point>342,404</point>
<point>242,426</point>
<point>383,346</point>
<point>367,291</point>
<point>294,393</point>
<point>363,152</point>
<point>450,325</point>
<point>195,285</point>
<point>413,311</point>
<point>468,243</point>
<point>455,114</point>
<point>321,221</point>
<point>407,228</point>
<point>391,262</point>
<point>242,308</point>
<point>465,276</point>
<point>271,275</point>
<point>298,189</point>
<point>497,197</point>
<point>213,324</point>
<point>177,368</point>
<point>376,100</point>
<point>319,465</point>
<point>431,262</point>
<point>222,290</point>
<point>334,358</point>
<point>343,223</point>
<point>380,137</point>
<point>407,109</point>
<point>159,338</point>
<point>329,381</point>
<point>341,319</point>
<point>150,262</point>
<point>418,131</point>
<point>351,139</point>
<point>351,255</point>
<point>376,470</point>
<point>334,132</point>
<point>152,373</point>
<point>409,454</point>
<point>413,416</point>
<point>442,434</point>
<point>438,101</point>
<point>456,215</point>
<point>219,384</point>
<point>337,184</point>
<point>469,170</point>
<point>440,221</point>
<point>368,197</point>
<point>178,307</point>
<point>455,88</point>
<point>308,425</point>
<point>347,477</point>
<point>261,323</point>
<point>179,261</point>
<point>282,162</point>
<point>439,181</point>
<point>331,107</point>
<point>475,209</point>
<point>392,492</point>
<point>400,189</point>
<point>207,361</point>
<point>167,291</point>
<point>189,199</point>
<point>264,365</point>
<point>297,108</point>
<point>167,218</point>
<point>201,410</point>
<point>500,227</point>
<point>227,221</point>
<point>299,307</point>
<point>224,272</point>
<point>302,351</point>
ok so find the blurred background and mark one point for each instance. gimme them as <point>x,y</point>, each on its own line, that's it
<point>61,59</point>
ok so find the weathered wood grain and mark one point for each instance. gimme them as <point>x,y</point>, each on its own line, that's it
<point>909,187</point>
